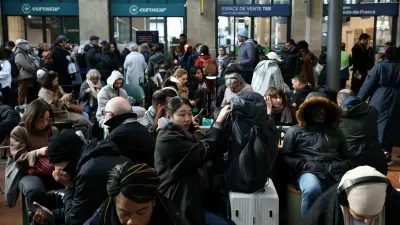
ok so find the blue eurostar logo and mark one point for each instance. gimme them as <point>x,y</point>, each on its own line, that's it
<point>26,8</point>
<point>134,10</point>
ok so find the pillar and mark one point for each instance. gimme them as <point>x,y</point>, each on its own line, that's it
<point>201,28</point>
<point>94,19</point>
<point>398,29</point>
<point>311,31</point>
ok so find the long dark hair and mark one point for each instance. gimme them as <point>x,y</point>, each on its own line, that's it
<point>34,113</point>
<point>137,182</point>
<point>174,104</point>
<point>193,71</point>
<point>393,54</point>
<point>47,79</point>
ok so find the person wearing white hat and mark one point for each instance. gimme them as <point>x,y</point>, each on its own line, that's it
<point>135,65</point>
<point>26,69</point>
<point>246,56</point>
<point>363,196</point>
<point>268,74</point>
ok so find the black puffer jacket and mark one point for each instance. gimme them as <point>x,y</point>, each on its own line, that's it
<point>9,119</point>
<point>93,56</point>
<point>321,147</point>
<point>109,62</point>
<point>360,127</point>
<point>291,64</point>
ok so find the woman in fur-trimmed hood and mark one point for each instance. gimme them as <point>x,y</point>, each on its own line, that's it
<point>315,150</point>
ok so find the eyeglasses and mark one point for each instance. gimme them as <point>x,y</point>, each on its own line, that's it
<point>104,112</point>
<point>48,120</point>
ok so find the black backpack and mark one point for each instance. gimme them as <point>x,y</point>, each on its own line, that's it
<point>252,143</point>
<point>14,67</point>
<point>332,94</point>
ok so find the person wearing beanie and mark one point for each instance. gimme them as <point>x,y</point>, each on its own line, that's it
<point>363,196</point>
<point>134,65</point>
<point>133,199</point>
<point>315,150</point>
<point>246,56</point>
<point>83,170</point>
<point>111,90</point>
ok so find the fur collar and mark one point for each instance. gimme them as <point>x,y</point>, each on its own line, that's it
<point>334,113</point>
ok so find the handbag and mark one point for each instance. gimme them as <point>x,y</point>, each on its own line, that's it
<point>13,174</point>
<point>44,168</point>
<point>75,108</point>
<point>71,68</point>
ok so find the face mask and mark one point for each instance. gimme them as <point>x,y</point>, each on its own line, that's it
<point>26,47</point>
<point>36,53</point>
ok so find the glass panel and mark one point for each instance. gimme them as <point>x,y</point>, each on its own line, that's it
<point>244,1</point>
<point>281,1</point>
<point>262,31</point>
<point>174,29</point>
<point>156,24</point>
<point>157,2</point>
<point>176,1</point>
<point>263,1</point>
<point>242,23</point>
<point>279,32</point>
<point>71,29</point>
<point>16,27</point>
<point>383,32</point>
<point>225,1</point>
<point>53,28</point>
<point>34,26</point>
<point>226,33</point>
<point>122,30</point>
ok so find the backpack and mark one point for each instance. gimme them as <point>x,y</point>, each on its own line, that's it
<point>14,67</point>
<point>209,66</point>
<point>48,60</point>
<point>252,143</point>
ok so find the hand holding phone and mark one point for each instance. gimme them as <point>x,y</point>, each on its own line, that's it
<point>41,214</point>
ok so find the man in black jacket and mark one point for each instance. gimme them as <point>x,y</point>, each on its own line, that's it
<point>61,60</point>
<point>291,63</point>
<point>132,138</point>
<point>84,173</point>
<point>9,119</point>
<point>92,52</point>
<point>315,150</point>
<point>301,90</point>
<point>360,128</point>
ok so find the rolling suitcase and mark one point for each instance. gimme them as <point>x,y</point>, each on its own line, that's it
<point>259,208</point>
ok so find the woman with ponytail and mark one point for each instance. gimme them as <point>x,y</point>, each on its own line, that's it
<point>181,155</point>
<point>133,199</point>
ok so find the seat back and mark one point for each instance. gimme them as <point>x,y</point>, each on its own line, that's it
<point>135,91</point>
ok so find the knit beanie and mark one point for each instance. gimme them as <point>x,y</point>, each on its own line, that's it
<point>64,146</point>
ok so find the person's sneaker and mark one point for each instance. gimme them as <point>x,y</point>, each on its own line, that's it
<point>389,158</point>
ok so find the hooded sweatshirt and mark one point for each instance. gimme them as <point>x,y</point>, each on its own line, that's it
<point>246,56</point>
<point>108,92</point>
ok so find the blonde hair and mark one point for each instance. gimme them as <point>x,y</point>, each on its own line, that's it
<point>93,74</point>
<point>180,72</point>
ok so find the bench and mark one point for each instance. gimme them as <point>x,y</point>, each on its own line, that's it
<point>293,205</point>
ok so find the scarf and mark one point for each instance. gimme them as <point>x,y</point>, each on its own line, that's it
<point>93,92</point>
<point>286,115</point>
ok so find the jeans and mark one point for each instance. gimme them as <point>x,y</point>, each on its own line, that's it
<point>212,219</point>
<point>84,114</point>
<point>311,188</point>
<point>86,109</point>
<point>33,188</point>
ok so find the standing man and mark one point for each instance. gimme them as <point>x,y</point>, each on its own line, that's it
<point>61,60</point>
<point>363,61</point>
<point>309,61</point>
<point>345,63</point>
<point>246,56</point>
<point>26,69</point>
<point>93,52</point>
<point>10,45</point>
<point>291,63</point>
<point>260,53</point>
<point>135,65</point>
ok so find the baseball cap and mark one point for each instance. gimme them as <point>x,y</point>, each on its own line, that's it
<point>94,37</point>
<point>273,55</point>
<point>21,41</point>
<point>62,38</point>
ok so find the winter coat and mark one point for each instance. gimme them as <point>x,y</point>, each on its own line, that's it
<point>109,62</point>
<point>5,74</point>
<point>135,65</point>
<point>146,56</point>
<point>178,156</point>
<point>228,94</point>
<point>360,129</point>
<point>192,59</point>
<point>383,86</point>
<point>126,132</point>
<point>308,60</point>
<point>89,191</point>
<point>291,63</point>
<point>60,63</point>
<point>223,63</point>
<point>106,93</point>
<point>326,209</point>
<point>246,56</point>
<point>92,55</point>
<point>363,60</point>
<point>322,147</point>
<point>26,66</point>
<point>299,95</point>
<point>267,74</point>
<point>9,119</point>
<point>203,60</point>
<point>24,144</point>
<point>148,119</point>
<point>60,111</point>
<point>260,55</point>
<point>156,60</point>
<point>84,97</point>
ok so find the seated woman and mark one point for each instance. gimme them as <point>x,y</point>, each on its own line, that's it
<point>28,146</point>
<point>178,81</point>
<point>89,90</point>
<point>279,108</point>
<point>133,199</point>
<point>59,101</point>
<point>180,158</point>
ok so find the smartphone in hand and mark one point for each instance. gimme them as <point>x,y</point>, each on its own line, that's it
<point>48,218</point>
